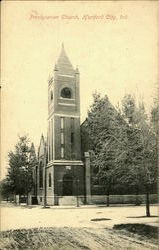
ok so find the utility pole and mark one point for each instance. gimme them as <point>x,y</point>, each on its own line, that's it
<point>44,177</point>
<point>78,192</point>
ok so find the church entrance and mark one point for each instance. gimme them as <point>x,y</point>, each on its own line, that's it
<point>67,185</point>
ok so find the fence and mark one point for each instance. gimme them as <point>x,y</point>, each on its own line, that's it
<point>123,199</point>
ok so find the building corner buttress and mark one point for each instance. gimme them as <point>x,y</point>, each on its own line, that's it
<point>87,177</point>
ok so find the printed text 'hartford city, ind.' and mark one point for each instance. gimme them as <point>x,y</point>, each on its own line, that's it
<point>86,17</point>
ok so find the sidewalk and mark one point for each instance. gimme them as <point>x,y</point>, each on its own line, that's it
<point>14,217</point>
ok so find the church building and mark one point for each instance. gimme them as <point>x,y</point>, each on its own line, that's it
<point>63,175</point>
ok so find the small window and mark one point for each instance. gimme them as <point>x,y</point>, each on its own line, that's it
<point>66,93</point>
<point>49,179</point>
<point>62,122</point>
<point>72,137</point>
<point>62,138</point>
<point>62,152</point>
<point>72,123</point>
<point>41,175</point>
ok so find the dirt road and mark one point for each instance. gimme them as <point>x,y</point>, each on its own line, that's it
<point>70,238</point>
<point>72,228</point>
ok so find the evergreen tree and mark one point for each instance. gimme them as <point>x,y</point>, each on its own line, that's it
<point>21,163</point>
<point>123,145</point>
<point>141,162</point>
<point>6,189</point>
<point>105,132</point>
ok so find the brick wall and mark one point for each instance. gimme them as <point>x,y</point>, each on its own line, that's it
<point>67,139</point>
<point>72,83</point>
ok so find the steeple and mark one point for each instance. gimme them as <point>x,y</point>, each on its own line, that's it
<point>32,151</point>
<point>42,146</point>
<point>77,71</point>
<point>64,65</point>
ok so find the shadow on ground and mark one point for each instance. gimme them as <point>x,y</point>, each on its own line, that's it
<point>140,229</point>
<point>142,216</point>
<point>100,219</point>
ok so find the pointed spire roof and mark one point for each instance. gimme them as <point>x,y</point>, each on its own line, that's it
<point>32,151</point>
<point>32,148</point>
<point>64,65</point>
<point>77,71</point>
<point>42,146</point>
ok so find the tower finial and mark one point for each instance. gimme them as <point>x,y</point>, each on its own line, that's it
<point>77,71</point>
<point>62,45</point>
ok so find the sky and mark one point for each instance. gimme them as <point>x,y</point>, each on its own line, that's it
<point>114,44</point>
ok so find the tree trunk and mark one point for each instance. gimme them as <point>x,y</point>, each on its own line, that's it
<point>15,199</point>
<point>27,197</point>
<point>147,203</point>
<point>137,200</point>
<point>108,199</point>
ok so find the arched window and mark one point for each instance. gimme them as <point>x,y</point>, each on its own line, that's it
<point>49,179</point>
<point>66,93</point>
<point>41,175</point>
<point>51,95</point>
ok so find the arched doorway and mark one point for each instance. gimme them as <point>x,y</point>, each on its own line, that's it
<point>67,185</point>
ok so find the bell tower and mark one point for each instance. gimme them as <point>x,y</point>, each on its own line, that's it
<point>64,141</point>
